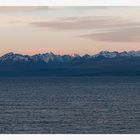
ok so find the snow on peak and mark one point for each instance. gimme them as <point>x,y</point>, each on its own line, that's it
<point>14,57</point>
<point>107,54</point>
<point>46,57</point>
<point>114,54</point>
<point>131,53</point>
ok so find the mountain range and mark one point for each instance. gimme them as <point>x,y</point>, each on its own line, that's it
<point>50,64</point>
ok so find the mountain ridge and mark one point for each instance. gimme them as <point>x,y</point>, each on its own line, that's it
<point>51,56</point>
<point>50,64</point>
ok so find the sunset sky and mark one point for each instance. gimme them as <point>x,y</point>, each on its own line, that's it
<point>69,30</point>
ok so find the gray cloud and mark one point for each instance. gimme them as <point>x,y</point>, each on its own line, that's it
<point>124,35</point>
<point>110,29</point>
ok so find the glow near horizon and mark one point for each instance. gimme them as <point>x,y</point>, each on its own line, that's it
<point>68,30</point>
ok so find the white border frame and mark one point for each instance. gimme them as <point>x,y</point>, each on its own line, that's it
<point>69,137</point>
<point>69,2</point>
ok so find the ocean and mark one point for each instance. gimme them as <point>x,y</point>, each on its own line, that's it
<point>70,105</point>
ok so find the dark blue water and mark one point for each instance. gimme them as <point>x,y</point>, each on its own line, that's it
<point>70,105</point>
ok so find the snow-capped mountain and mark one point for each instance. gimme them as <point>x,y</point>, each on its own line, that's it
<point>130,53</point>
<point>47,57</point>
<point>107,54</point>
<point>14,57</point>
<point>103,63</point>
<point>114,54</point>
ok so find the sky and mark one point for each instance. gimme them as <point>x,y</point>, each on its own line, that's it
<point>69,30</point>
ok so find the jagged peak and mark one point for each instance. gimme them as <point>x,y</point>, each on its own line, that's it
<point>8,54</point>
<point>14,56</point>
<point>114,54</point>
<point>107,54</point>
